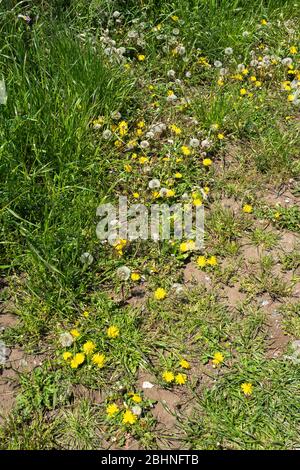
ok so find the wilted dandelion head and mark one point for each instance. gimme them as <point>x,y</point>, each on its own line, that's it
<point>66,339</point>
<point>86,258</point>
<point>132,34</point>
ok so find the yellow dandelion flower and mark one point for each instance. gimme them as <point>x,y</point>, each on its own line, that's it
<point>128,168</point>
<point>291,98</point>
<point>221,136</point>
<point>180,379</point>
<point>201,261</point>
<point>135,277</point>
<point>178,175</point>
<point>160,294</point>
<point>129,417</point>
<point>247,209</point>
<point>75,333</point>
<point>86,314</point>
<point>186,150</point>
<point>293,50</point>
<point>113,331</point>
<point>263,22</point>
<point>136,398</point>
<point>77,360</point>
<point>66,355</point>
<point>112,409</point>
<point>207,162</point>
<point>170,193</point>
<point>168,376</point>
<point>212,261</point>
<point>123,128</point>
<point>184,364</point>
<point>99,360</point>
<point>183,247</point>
<point>197,202</point>
<point>243,91</point>
<point>143,160</point>
<point>175,129</point>
<point>247,388</point>
<point>136,195</point>
<point>141,57</point>
<point>252,78</point>
<point>218,359</point>
<point>89,347</point>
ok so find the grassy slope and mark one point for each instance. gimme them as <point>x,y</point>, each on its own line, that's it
<point>56,168</point>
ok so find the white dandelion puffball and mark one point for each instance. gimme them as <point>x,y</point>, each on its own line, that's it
<point>228,51</point>
<point>154,184</point>
<point>107,134</point>
<point>136,410</point>
<point>218,64</point>
<point>123,273</point>
<point>194,142</point>
<point>287,61</point>
<point>4,353</point>
<point>206,143</point>
<point>144,144</point>
<point>171,73</point>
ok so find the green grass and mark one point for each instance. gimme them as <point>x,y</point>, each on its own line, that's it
<point>66,82</point>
